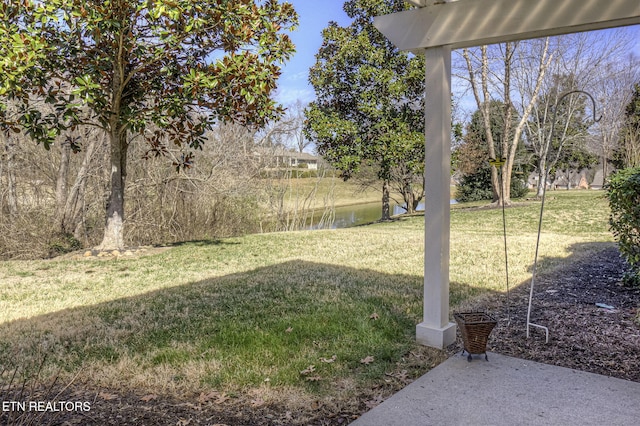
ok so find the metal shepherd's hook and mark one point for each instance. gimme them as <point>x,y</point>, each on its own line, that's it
<point>544,193</point>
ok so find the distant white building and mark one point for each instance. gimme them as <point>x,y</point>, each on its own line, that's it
<point>583,179</point>
<point>280,157</point>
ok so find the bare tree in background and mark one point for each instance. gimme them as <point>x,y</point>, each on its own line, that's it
<point>628,151</point>
<point>490,71</point>
<point>216,197</point>
<point>519,73</point>
<point>578,63</point>
<point>287,132</point>
<point>71,190</point>
<point>58,187</point>
<point>295,114</point>
<point>613,90</point>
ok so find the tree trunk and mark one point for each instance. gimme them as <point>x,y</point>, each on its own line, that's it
<point>114,226</point>
<point>506,184</point>
<point>12,193</point>
<point>509,144</point>
<point>113,238</point>
<point>495,185</point>
<point>61,186</point>
<point>409,196</point>
<point>386,214</point>
<point>485,109</point>
<point>542,180</point>
<point>542,177</point>
<point>73,213</point>
<point>507,154</point>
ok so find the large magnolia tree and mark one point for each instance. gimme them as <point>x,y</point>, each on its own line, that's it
<point>153,71</point>
<point>369,107</point>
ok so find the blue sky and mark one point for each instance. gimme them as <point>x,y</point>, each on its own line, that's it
<point>314,17</point>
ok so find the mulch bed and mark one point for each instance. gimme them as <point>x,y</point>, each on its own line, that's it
<point>583,336</point>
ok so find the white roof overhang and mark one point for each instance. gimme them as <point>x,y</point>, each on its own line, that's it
<point>466,23</point>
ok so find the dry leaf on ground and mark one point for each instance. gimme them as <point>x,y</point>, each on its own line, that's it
<point>367,360</point>
<point>374,402</point>
<point>308,370</point>
<point>107,396</point>
<point>149,397</point>
<point>329,360</point>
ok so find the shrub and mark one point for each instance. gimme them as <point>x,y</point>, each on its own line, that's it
<point>518,188</point>
<point>477,186</point>
<point>623,192</point>
<point>63,243</point>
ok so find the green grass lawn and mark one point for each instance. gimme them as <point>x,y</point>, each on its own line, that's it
<point>293,313</point>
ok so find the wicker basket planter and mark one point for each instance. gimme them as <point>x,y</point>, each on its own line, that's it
<point>475,328</point>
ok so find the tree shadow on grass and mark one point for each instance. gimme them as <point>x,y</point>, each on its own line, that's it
<point>241,332</point>
<point>550,268</point>
<point>236,330</point>
<point>203,243</point>
<point>277,312</point>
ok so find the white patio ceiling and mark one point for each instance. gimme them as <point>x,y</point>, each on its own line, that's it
<point>465,23</point>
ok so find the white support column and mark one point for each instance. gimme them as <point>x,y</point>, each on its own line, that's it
<point>436,330</point>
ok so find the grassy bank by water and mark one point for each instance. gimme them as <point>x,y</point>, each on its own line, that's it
<point>308,315</point>
<point>327,191</point>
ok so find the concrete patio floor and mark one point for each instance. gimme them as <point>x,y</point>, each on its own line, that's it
<point>508,391</point>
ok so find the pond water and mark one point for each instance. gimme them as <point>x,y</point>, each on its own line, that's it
<point>361,214</point>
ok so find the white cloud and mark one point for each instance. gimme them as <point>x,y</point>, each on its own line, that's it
<point>287,96</point>
<point>302,75</point>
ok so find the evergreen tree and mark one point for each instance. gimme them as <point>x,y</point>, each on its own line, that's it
<point>628,152</point>
<point>369,107</point>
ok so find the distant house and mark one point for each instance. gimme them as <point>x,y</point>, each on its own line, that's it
<point>598,179</point>
<point>583,179</point>
<point>280,157</point>
<point>298,159</point>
